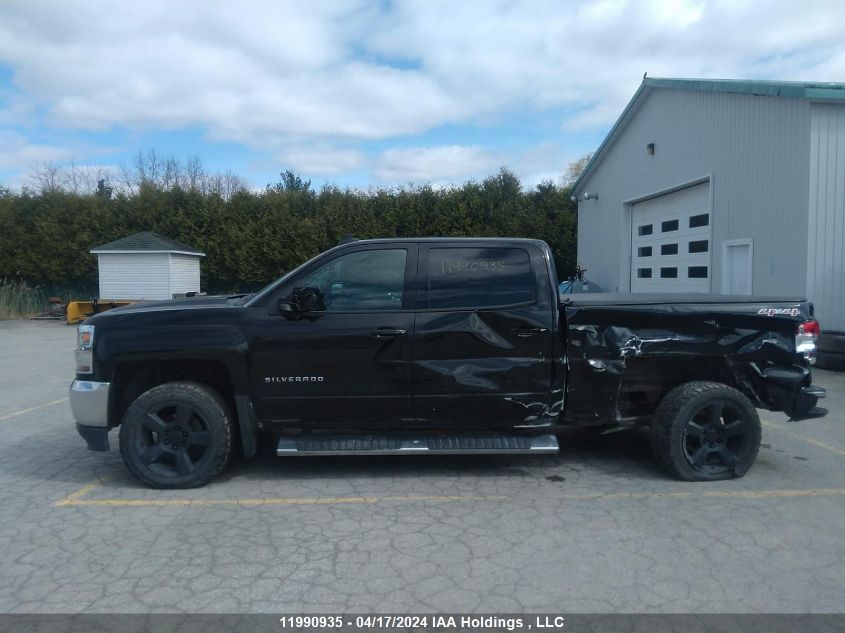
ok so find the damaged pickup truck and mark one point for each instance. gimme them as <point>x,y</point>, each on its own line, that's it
<point>421,346</point>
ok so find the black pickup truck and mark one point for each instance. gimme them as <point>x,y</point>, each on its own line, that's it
<point>413,346</point>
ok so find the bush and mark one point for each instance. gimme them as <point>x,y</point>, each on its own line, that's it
<point>253,237</point>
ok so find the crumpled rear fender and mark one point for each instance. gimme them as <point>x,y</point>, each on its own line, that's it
<point>618,373</point>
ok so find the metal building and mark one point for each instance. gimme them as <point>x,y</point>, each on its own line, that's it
<point>147,266</point>
<point>732,187</point>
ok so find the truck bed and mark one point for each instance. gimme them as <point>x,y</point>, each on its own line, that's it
<point>620,345</point>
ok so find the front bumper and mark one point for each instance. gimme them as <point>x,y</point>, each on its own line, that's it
<point>96,437</point>
<point>89,402</point>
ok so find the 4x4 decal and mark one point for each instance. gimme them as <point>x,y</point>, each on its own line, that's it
<point>776,311</point>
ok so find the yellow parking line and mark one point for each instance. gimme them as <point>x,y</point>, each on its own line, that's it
<point>77,498</point>
<point>35,408</point>
<point>806,440</point>
<point>293,501</point>
<point>722,494</point>
<point>73,498</point>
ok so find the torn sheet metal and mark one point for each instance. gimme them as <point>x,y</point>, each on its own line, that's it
<point>752,340</point>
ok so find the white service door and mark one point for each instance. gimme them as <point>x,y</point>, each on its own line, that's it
<point>736,269</point>
<point>671,242</point>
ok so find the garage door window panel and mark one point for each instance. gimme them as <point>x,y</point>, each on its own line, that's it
<point>669,249</point>
<point>669,273</point>
<point>698,246</point>
<point>700,220</point>
<point>668,226</point>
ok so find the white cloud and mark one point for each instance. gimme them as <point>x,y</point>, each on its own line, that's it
<point>16,151</point>
<point>306,81</point>
<point>433,164</point>
<point>322,160</point>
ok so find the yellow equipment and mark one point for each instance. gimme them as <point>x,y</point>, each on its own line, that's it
<point>78,311</point>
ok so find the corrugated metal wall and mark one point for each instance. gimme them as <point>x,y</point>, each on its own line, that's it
<point>826,235</point>
<point>184,273</point>
<point>757,150</point>
<point>134,275</point>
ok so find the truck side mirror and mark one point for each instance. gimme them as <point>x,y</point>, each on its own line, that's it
<point>301,301</point>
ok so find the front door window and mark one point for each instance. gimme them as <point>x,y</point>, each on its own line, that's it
<point>363,281</point>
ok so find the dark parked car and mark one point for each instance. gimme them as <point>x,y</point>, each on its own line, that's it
<point>411,346</point>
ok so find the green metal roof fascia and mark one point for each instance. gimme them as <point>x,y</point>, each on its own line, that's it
<point>795,89</point>
<point>833,94</point>
<point>607,140</point>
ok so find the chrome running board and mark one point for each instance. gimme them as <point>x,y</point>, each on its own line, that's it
<point>445,444</point>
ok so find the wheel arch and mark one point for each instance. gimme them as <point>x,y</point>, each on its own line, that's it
<point>133,377</point>
<point>647,380</point>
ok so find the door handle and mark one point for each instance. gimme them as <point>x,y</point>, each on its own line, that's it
<point>525,332</point>
<point>388,332</point>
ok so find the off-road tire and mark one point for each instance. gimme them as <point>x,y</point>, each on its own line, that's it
<point>830,360</point>
<point>684,406</point>
<point>831,342</point>
<point>210,422</point>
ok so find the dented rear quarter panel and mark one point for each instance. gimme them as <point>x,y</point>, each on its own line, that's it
<point>615,341</point>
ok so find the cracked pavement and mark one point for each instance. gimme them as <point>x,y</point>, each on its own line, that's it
<point>597,528</point>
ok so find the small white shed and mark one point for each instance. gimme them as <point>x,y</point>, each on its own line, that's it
<point>147,266</point>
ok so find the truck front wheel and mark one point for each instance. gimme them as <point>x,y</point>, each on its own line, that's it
<point>705,431</point>
<point>177,435</point>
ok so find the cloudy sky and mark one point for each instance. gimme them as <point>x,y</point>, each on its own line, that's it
<point>371,93</point>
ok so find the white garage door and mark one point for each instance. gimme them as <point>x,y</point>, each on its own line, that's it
<point>670,242</point>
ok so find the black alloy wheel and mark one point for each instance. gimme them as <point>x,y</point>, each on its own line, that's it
<point>705,431</point>
<point>717,437</point>
<point>174,441</point>
<point>177,435</point>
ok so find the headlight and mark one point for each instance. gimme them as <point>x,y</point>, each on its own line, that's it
<point>84,355</point>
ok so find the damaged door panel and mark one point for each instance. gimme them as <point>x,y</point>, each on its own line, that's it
<point>483,341</point>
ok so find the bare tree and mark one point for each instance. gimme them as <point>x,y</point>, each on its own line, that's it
<point>576,168</point>
<point>45,177</point>
<point>148,168</point>
<point>194,174</point>
<point>171,173</point>
<point>127,179</point>
<point>214,183</point>
<point>232,184</point>
<point>71,177</point>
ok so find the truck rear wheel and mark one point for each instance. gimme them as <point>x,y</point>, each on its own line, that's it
<point>705,431</point>
<point>177,435</point>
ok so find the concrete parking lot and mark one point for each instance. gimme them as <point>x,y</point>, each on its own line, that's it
<point>597,528</point>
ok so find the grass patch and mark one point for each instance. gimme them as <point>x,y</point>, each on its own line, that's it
<point>17,300</point>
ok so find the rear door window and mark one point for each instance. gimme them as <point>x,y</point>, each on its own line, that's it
<point>466,278</point>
